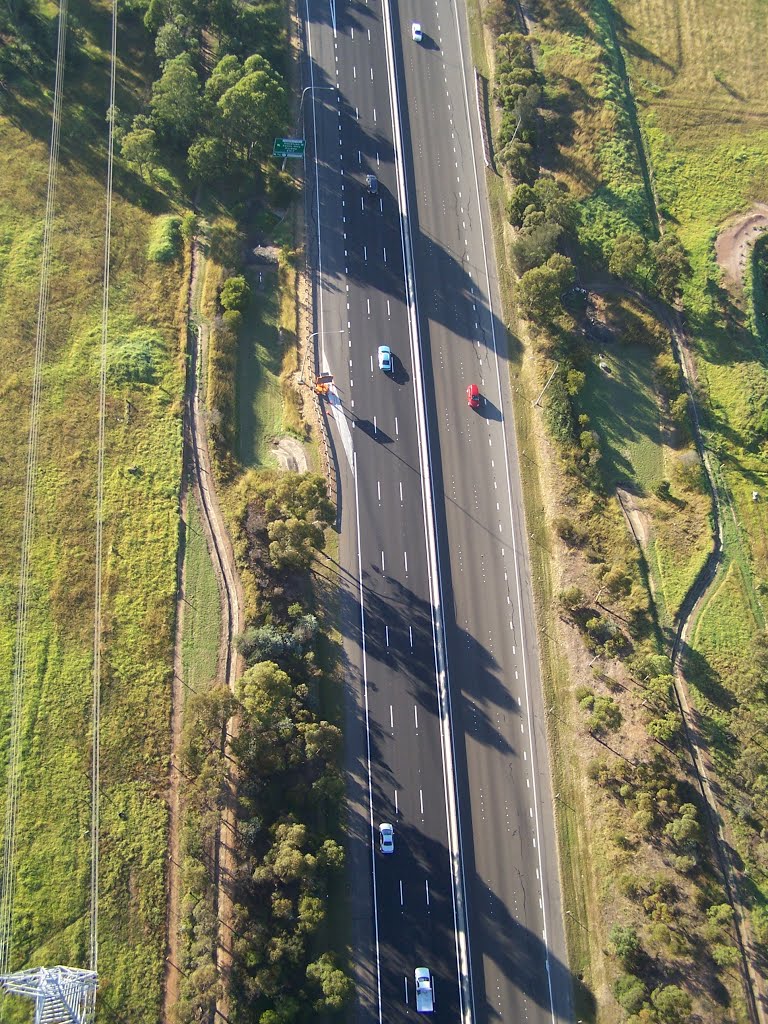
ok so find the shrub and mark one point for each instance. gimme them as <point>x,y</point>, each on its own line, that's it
<point>165,240</point>
<point>571,597</point>
<point>667,728</point>
<point>606,716</point>
<point>188,226</point>
<point>630,992</point>
<point>671,1004</point>
<point>235,294</point>
<point>568,531</point>
<point>689,473</point>
<point>626,944</point>
<point>663,490</point>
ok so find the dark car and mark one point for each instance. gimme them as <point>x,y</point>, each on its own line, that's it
<point>372,182</point>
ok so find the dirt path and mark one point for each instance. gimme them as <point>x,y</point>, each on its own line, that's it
<point>733,245</point>
<point>197,462</point>
<point>172,973</point>
<point>697,595</point>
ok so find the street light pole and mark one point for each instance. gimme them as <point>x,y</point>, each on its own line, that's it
<point>309,345</point>
<point>538,400</point>
<point>304,91</point>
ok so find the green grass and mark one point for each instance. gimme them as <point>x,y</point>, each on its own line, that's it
<point>622,406</point>
<point>202,611</point>
<point>700,83</point>
<point>590,139</point>
<point>143,455</point>
<point>259,391</point>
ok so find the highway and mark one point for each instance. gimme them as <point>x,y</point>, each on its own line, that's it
<point>395,438</point>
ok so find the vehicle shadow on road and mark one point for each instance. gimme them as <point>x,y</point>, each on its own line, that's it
<point>490,411</point>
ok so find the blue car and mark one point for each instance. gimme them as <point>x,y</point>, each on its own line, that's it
<point>385,358</point>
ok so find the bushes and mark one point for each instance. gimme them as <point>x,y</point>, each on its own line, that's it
<point>220,397</point>
<point>165,240</point>
<point>235,294</point>
<point>517,94</point>
<point>604,713</point>
<point>540,289</point>
<point>290,789</point>
<point>630,992</point>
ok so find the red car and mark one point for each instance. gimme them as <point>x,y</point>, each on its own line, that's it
<point>473,396</point>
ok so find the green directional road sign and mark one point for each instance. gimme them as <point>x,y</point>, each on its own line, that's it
<point>288,147</point>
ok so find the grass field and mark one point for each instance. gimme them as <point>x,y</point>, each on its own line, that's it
<point>143,448</point>
<point>202,614</point>
<point>636,443</point>
<point>698,72</point>
<point>267,356</point>
<point>590,137</point>
<point>259,394</point>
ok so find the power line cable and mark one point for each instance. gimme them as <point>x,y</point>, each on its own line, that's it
<point>8,882</point>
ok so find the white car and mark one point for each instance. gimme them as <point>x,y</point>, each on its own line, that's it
<point>385,358</point>
<point>386,838</point>
<point>425,994</point>
<point>416,33</point>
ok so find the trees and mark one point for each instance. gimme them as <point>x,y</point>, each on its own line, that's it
<point>264,692</point>
<point>248,101</point>
<point>672,1005</point>
<point>175,102</point>
<point>685,830</point>
<point>171,40</point>
<point>235,294</point>
<point>628,258</point>
<point>627,946</point>
<point>207,160</point>
<point>534,245</point>
<point>667,728</point>
<point>334,983</point>
<point>671,263</point>
<point>539,290</point>
<point>521,200</point>
<point>139,146</point>
<point>630,992</point>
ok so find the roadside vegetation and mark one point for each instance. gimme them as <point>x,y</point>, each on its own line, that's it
<point>201,91</point>
<point>143,459</point>
<point>589,280</point>
<point>704,115</point>
<point>271,746</point>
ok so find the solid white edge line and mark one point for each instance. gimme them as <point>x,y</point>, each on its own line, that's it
<point>458,883</point>
<point>357,512</point>
<point>509,495</point>
<point>367,738</point>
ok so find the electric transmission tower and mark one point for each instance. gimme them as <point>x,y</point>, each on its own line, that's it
<point>62,995</point>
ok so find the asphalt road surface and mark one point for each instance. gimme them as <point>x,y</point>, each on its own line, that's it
<point>361,65</point>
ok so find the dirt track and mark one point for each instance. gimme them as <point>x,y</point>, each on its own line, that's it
<point>694,601</point>
<point>734,242</point>
<point>197,461</point>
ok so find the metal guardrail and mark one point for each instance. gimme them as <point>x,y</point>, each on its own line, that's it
<point>481,95</point>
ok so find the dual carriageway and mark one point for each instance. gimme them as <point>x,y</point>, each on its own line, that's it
<point>446,734</point>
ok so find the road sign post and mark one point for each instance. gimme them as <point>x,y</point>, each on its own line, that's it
<point>287,148</point>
